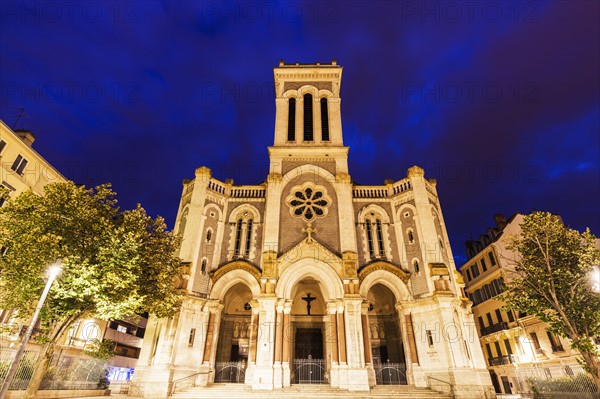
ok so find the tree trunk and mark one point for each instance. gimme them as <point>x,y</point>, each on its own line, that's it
<point>40,370</point>
<point>593,366</point>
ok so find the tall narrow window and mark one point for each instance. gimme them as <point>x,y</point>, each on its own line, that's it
<point>380,238</point>
<point>492,260</point>
<point>370,238</point>
<point>411,238</point>
<point>203,266</point>
<point>508,347</point>
<point>238,238</point>
<point>416,266</point>
<point>248,238</point>
<point>19,164</point>
<point>192,337</point>
<point>499,316</point>
<point>429,338</point>
<point>2,145</point>
<point>208,236</point>
<point>292,119</point>
<point>308,117</point>
<point>324,120</point>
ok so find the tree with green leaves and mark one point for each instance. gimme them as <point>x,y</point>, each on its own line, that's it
<point>550,277</point>
<point>114,263</point>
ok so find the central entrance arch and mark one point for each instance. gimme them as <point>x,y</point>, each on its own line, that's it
<point>310,287</point>
<point>308,318</point>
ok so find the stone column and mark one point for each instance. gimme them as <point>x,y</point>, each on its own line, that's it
<point>408,343</point>
<point>265,349</point>
<point>332,340</point>
<point>209,337</point>
<point>367,344</point>
<point>287,328</point>
<point>341,341</point>
<point>358,378</point>
<point>366,337</point>
<point>252,343</point>
<point>277,370</point>
<point>341,335</point>
<point>211,340</point>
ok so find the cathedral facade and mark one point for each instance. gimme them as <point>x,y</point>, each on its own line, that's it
<point>310,278</point>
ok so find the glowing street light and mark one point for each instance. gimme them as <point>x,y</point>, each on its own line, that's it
<point>53,271</point>
<point>596,279</point>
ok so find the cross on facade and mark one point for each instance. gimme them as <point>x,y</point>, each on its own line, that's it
<point>309,230</point>
<point>308,300</point>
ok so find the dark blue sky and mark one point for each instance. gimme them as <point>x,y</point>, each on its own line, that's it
<point>498,100</point>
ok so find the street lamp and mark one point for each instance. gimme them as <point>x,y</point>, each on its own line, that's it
<point>53,271</point>
<point>596,279</point>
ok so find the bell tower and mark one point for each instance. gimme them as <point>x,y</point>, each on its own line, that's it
<point>308,119</point>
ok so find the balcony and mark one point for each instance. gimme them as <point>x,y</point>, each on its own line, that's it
<point>494,328</point>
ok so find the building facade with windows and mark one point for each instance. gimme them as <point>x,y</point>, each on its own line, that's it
<point>309,277</point>
<point>22,168</point>
<point>516,346</point>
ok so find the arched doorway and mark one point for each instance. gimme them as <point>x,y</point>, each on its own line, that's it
<point>234,335</point>
<point>308,332</point>
<point>387,349</point>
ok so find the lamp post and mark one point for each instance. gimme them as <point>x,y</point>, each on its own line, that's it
<point>53,271</point>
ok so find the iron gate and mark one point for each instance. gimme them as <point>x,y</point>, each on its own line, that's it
<point>390,373</point>
<point>309,371</point>
<point>230,372</point>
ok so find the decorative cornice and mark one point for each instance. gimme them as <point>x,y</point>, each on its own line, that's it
<point>381,265</point>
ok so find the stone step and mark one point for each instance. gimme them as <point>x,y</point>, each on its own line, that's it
<point>233,391</point>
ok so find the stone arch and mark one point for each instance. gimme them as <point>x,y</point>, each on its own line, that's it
<point>382,273</point>
<point>385,218</point>
<point>303,169</point>
<point>406,206</point>
<point>234,215</point>
<point>324,93</point>
<point>328,279</point>
<point>233,273</point>
<point>215,207</point>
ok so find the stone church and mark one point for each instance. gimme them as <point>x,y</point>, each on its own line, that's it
<point>309,278</point>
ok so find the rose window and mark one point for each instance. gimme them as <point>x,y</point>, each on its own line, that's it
<point>308,201</point>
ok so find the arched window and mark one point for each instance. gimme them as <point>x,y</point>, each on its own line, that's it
<point>238,238</point>
<point>411,237</point>
<point>208,236</point>
<point>416,266</point>
<point>291,119</point>
<point>324,120</point>
<point>248,238</point>
<point>370,238</point>
<point>308,117</point>
<point>380,238</point>
<point>203,267</point>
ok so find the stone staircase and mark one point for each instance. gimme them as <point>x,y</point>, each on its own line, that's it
<point>234,391</point>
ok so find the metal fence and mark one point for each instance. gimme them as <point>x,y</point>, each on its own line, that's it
<point>230,372</point>
<point>309,371</point>
<point>64,372</point>
<point>557,382</point>
<point>24,371</point>
<point>390,373</point>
